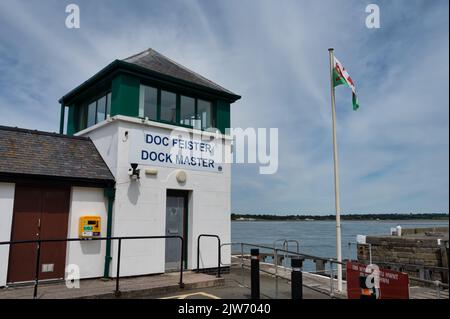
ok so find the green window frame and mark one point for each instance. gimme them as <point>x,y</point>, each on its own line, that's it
<point>95,111</point>
<point>196,120</point>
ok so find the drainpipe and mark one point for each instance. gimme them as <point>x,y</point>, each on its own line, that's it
<point>110,194</point>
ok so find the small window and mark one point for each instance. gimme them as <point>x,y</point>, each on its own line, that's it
<point>148,102</point>
<point>101,109</point>
<point>108,104</point>
<point>187,110</point>
<point>97,111</point>
<point>168,106</point>
<point>204,114</point>
<point>82,124</point>
<point>91,114</point>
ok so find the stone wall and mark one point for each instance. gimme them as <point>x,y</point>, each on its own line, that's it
<point>419,255</point>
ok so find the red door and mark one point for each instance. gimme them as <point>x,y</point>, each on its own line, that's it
<point>39,213</point>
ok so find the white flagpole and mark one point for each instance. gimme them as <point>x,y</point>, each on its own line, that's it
<point>336,177</point>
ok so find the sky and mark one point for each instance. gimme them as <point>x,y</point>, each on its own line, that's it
<point>393,151</point>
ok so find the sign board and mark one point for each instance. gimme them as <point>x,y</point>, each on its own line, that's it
<point>371,282</point>
<point>89,226</point>
<point>178,150</point>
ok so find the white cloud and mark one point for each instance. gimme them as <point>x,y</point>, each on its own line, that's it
<point>393,151</point>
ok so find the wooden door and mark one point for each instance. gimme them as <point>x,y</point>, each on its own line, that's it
<point>55,213</point>
<point>26,218</point>
<point>39,213</point>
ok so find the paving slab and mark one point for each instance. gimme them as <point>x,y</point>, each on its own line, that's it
<point>131,287</point>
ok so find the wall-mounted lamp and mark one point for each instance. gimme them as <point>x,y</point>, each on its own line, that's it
<point>134,171</point>
<point>125,136</point>
<point>181,177</point>
<point>151,171</point>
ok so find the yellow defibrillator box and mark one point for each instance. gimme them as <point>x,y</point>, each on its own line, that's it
<point>89,227</point>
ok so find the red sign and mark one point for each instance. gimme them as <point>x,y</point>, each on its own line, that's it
<point>371,282</point>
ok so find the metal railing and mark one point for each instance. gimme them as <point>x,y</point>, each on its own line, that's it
<point>219,255</point>
<point>436,283</point>
<point>119,239</point>
<point>276,251</point>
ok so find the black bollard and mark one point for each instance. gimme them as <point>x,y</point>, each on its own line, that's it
<point>297,278</point>
<point>254,283</point>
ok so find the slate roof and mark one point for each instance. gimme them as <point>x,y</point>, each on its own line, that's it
<point>153,64</point>
<point>155,61</point>
<point>33,153</point>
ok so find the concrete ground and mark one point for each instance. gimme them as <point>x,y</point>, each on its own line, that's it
<point>131,287</point>
<point>233,288</point>
<point>235,285</point>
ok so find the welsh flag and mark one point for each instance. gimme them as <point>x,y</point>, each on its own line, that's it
<point>340,76</point>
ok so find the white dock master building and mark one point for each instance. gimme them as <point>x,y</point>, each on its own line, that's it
<point>144,155</point>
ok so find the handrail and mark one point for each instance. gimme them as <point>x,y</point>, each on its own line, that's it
<point>219,256</point>
<point>332,261</point>
<point>435,268</point>
<point>432,282</point>
<point>119,238</point>
<point>307,256</point>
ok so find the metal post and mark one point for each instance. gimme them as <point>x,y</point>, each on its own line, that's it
<point>181,263</point>
<point>38,261</point>
<point>331,278</point>
<point>275,254</point>
<point>219,259</point>
<point>198,253</point>
<point>336,176</point>
<point>255,290</point>
<point>296,278</point>
<point>438,289</point>
<point>242,264</point>
<point>117,292</point>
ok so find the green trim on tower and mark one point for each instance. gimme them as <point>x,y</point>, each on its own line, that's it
<point>71,121</point>
<point>62,118</point>
<point>222,115</point>
<point>125,95</point>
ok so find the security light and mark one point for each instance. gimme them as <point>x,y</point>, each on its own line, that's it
<point>134,171</point>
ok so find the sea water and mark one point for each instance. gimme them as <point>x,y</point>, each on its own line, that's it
<point>317,238</point>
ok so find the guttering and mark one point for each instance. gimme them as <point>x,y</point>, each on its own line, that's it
<point>110,194</point>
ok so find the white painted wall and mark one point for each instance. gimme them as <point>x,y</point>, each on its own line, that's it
<point>88,255</point>
<point>6,215</point>
<point>140,206</point>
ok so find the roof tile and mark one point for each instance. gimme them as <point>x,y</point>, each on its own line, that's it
<point>30,152</point>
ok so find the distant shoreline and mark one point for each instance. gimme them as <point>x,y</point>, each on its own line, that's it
<point>347,217</point>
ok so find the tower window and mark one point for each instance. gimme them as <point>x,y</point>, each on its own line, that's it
<point>148,102</point>
<point>168,106</point>
<point>165,106</point>
<point>97,111</point>
<point>91,114</point>
<point>187,110</point>
<point>204,114</point>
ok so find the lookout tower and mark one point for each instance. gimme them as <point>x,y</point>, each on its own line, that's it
<point>148,85</point>
<point>133,111</point>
